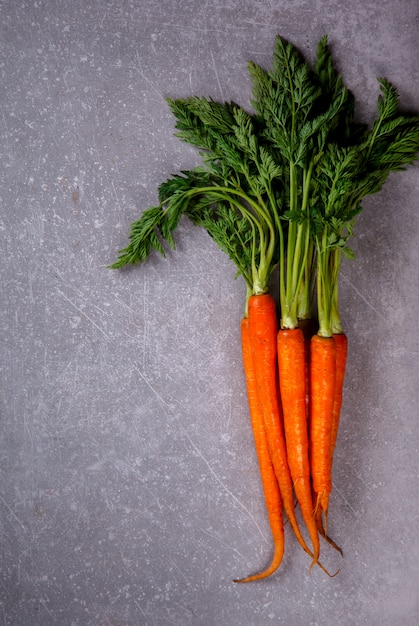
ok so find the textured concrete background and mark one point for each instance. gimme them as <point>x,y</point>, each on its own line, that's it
<point>129,491</point>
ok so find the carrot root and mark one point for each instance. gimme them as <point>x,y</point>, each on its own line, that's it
<point>271,569</point>
<point>341,342</point>
<point>309,326</point>
<point>322,380</point>
<point>263,325</point>
<point>270,486</point>
<point>292,379</point>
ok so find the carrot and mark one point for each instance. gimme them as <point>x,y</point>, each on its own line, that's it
<point>309,327</point>
<point>341,342</point>
<point>259,348</point>
<point>322,380</point>
<point>270,486</point>
<point>263,328</point>
<point>292,380</point>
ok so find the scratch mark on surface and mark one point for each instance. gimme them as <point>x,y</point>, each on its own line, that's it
<point>83,313</point>
<point>170,619</point>
<point>139,606</point>
<point>154,497</point>
<point>30,280</point>
<point>218,479</point>
<point>43,603</point>
<point>147,382</point>
<point>217,77</point>
<point>93,104</point>
<point>354,511</point>
<point>147,80</point>
<point>370,597</point>
<point>103,19</point>
<point>214,536</point>
<point>358,475</point>
<point>57,274</point>
<point>348,282</point>
<point>114,191</point>
<point>146,323</point>
<point>124,305</point>
<point>9,508</point>
<point>180,572</point>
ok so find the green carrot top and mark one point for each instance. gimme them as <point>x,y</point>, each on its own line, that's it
<point>282,186</point>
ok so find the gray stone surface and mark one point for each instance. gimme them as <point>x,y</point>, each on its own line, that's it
<point>129,491</point>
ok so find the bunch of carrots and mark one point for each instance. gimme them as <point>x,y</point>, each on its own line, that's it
<point>279,190</point>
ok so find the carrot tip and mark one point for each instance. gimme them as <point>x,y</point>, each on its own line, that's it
<point>317,505</point>
<point>333,575</point>
<point>322,567</point>
<point>313,563</point>
<point>330,541</point>
<point>241,580</point>
<point>260,576</point>
<point>271,569</point>
<point>253,578</point>
<point>322,531</point>
<point>326,520</point>
<point>333,544</point>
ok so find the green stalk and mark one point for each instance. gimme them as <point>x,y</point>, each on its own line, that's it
<point>324,286</point>
<point>288,319</point>
<point>304,299</point>
<point>249,293</point>
<point>304,309</point>
<point>299,256</point>
<point>335,258</point>
<point>260,219</point>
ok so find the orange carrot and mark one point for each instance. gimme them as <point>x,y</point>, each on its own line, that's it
<point>309,327</point>
<point>263,328</point>
<point>341,342</point>
<point>322,380</point>
<point>269,482</point>
<point>291,363</point>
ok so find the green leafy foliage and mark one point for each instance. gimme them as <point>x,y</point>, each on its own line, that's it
<point>298,108</point>
<point>347,173</point>
<point>196,195</point>
<point>295,170</point>
<point>144,237</point>
<point>393,141</point>
<point>232,233</point>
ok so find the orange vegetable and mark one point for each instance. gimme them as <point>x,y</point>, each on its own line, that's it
<point>341,342</point>
<point>309,327</point>
<point>270,486</point>
<point>322,381</point>
<point>263,328</point>
<point>292,380</point>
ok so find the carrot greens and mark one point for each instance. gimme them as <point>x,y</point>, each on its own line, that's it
<point>230,196</point>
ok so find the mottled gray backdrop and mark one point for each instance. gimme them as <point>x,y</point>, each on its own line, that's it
<point>129,490</point>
